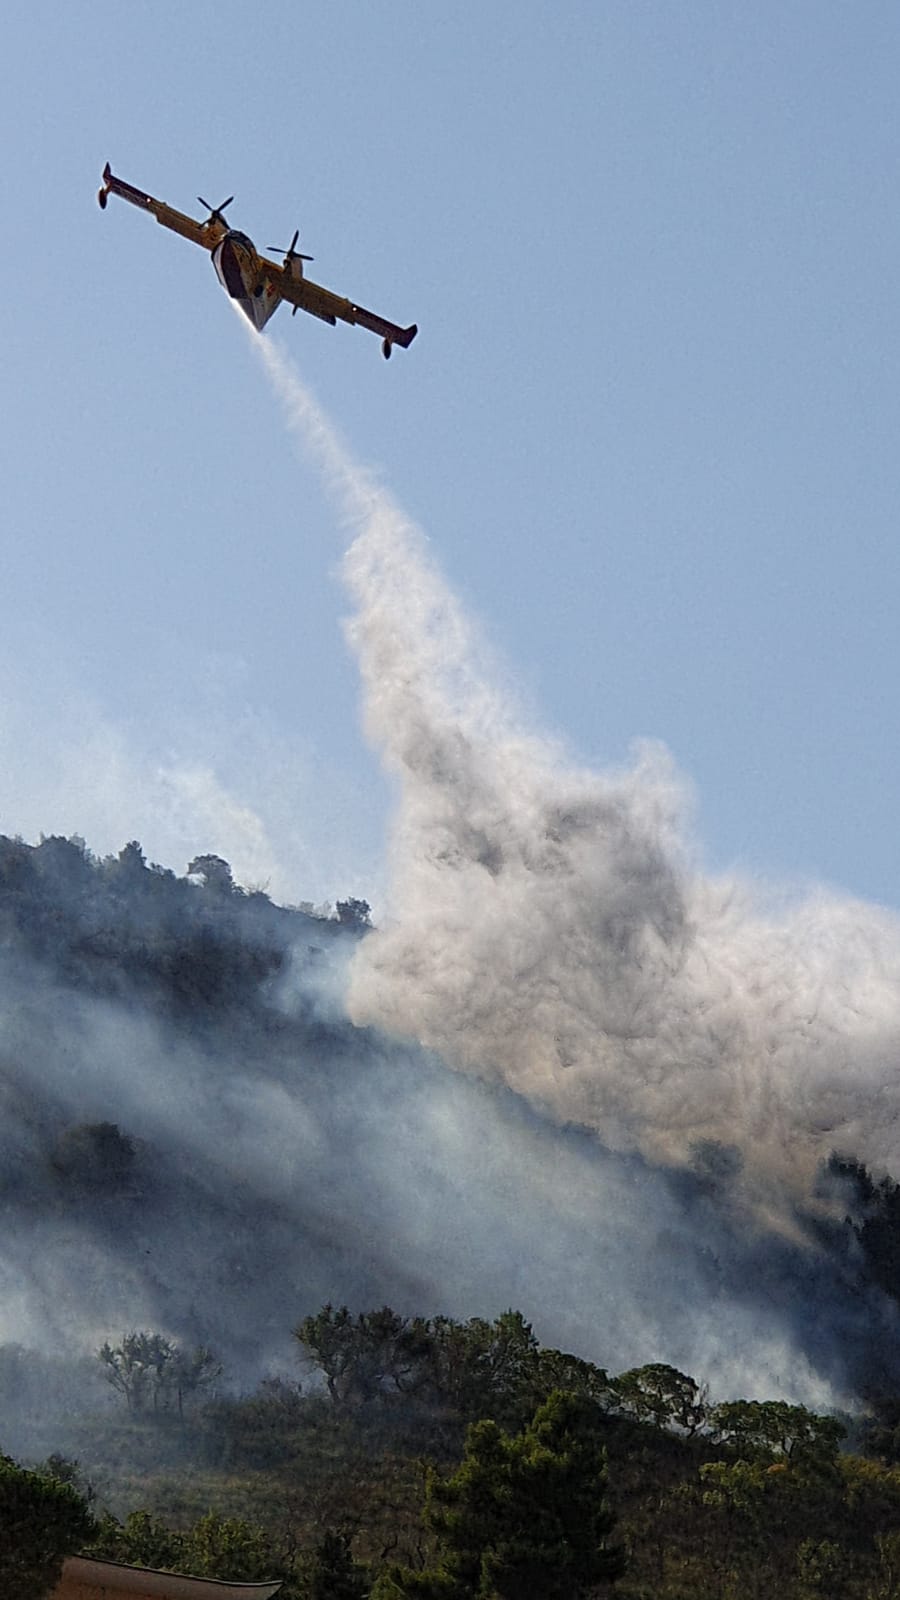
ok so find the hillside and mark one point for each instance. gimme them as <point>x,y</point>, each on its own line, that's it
<point>196,1138</point>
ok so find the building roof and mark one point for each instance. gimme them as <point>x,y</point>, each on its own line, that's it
<point>86,1578</point>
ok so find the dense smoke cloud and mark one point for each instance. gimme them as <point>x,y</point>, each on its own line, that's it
<point>546,926</point>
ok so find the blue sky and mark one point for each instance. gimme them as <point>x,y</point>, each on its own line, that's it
<point>649,424</point>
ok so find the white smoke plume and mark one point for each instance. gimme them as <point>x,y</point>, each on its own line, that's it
<point>546,925</point>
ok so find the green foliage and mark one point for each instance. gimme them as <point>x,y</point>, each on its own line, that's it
<point>772,1427</point>
<point>227,1547</point>
<point>42,1520</point>
<point>63,1469</point>
<point>474,1369</point>
<point>142,1540</point>
<point>359,1356</point>
<point>523,1515</point>
<point>822,1569</point>
<point>742,1501</point>
<point>213,1547</point>
<point>496,1373</point>
<point>662,1395</point>
<point>700,1520</point>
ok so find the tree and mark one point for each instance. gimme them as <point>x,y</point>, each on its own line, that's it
<point>880,1432</point>
<point>476,1368</point>
<point>65,1469</point>
<point>498,1369</point>
<point>215,872</point>
<point>359,1356</point>
<point>491,1369</point>
<point>822,1568</point>
<point>557,1369</point>
<point>142,1540</point>
<point>136,1367</point>
<point>523,1515</point>
<point>188,1373</point>
<point>131,862</point>
<point>662,1395</point>
<point>773,1428</point>
<point>65,862</point>
<point>227,1547</point>
<point>875,1219</point>
<point>42,1521</point>
<point>153,1372</point>
<point>502,1376</point>
<point>354,914</point>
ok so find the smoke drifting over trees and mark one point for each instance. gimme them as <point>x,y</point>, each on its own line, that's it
<point>197,1140</point>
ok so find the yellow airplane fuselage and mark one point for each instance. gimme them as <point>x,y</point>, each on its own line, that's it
<point>243,276</point>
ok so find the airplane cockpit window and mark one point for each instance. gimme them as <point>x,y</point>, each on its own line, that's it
<point>240,238</point>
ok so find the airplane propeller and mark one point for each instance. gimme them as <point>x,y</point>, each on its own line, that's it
<point>215,212</point>
<point>291,253</point>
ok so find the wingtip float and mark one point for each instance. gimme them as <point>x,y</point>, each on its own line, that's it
<point>257,284</point>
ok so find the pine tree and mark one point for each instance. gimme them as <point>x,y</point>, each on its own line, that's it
<point>41,1522</point>
<point>522,1515</point>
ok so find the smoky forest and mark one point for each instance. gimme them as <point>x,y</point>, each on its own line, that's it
<point>290,1296</point>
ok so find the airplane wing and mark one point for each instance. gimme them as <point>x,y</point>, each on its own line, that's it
<point>304,295</point>
<point>206,234</point>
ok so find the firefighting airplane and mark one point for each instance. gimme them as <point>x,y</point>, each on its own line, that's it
<point>258,285</point>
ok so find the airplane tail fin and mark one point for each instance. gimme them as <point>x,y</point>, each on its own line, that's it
<point>402,336</point>
<point>388,331</point>
<point>114,185</point>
